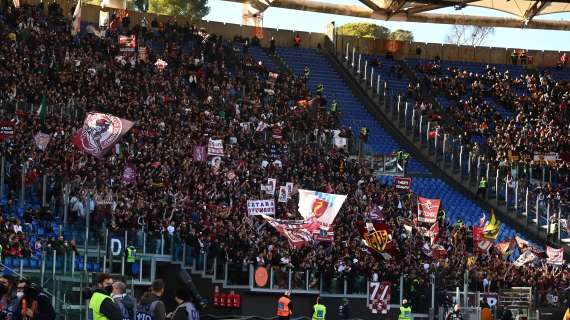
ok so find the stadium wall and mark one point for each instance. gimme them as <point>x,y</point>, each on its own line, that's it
<point>260,304</point>
<point>373,46</point>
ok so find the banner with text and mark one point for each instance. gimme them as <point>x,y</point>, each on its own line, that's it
<point>427,209</point>
<point>215,147</point>
<point>403,184</point>
<point>259,207</point>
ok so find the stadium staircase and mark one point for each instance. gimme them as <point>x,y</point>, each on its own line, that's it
<point>357,111</point>
<point>450,180</point>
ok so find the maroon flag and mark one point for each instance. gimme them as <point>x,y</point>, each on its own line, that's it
<point>100,132</point>
<point>130,173</point>
<point>479,241</point>
<point>199,154</point>
<point>42,140</point>
<point>427,209</point>
<point>128,43</point>
<point>6,129</point>
<point>379,297</point>
<point>277,132</point>
<point>438,252</point>
<point>402,183</point>
<point>301,232</point>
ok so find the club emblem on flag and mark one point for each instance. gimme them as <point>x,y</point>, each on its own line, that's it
<point>377,240</point>
<point>320,207</point>
<point>100,132</point>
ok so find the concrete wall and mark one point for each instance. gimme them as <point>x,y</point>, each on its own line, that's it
<point>364,45</point>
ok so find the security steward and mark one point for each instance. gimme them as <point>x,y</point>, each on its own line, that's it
<point>320,89</point>
<point>101,305</point>
<point>131,258</point>
<point>483,184</point>
<point>319,310</point>
<point>405,311</point>
<point>364,134</point>
<point>284,306</point>
<point>333,106</point>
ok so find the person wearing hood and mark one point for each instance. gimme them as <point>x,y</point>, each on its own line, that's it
<point>101,304</point>
<point>150,306</point>
<point>126,303</point>
<point>33,302</point>
<point>8,298</point>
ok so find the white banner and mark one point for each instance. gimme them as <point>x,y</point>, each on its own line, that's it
<point>215,147</point>
<point>259,207</point>
<point>525,258</point>
<point>289,187</point>
<point>282,194</point>
<point>319,205</point>
<point>555,256</point>
<point>273,183</point>
<point>339,142</point>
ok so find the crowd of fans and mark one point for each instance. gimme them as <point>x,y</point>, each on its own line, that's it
<point>506,118</point>
<point>216,90</point>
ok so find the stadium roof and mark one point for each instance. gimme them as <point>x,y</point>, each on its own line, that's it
<point>521,13</point>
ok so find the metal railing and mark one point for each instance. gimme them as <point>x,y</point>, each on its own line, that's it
<point>519,187</point>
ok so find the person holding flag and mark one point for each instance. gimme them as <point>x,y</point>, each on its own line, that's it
<point>42,111</point>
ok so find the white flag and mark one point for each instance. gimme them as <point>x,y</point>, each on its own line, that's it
<point>319,205</point>
<point>525,258</point>
<point>555,256</point>
<point>273,183</point>
<point>282,194</point>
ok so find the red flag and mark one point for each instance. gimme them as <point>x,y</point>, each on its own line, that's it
<point>438,252</point>
<point>427,209</point>
<point>7,128</point>
<point>479,242</point>
<point>100,132</point>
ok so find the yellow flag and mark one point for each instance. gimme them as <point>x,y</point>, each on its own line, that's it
<point>491,229</point>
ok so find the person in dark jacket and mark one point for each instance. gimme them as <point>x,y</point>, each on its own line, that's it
<point>150,304</point>
<point>34,304</point>
<point>185,309</point>
<point>343,311</point>
<point>101,304</point>
<point>126,303</point>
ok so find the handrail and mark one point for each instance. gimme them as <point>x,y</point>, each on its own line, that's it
<point>505,190</point>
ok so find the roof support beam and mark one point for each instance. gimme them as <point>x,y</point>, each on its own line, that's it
<point>356,11</point>
<point>533,10</point>
<point>427,7</point>
<point>395,6</point>
<point>371,4</point>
